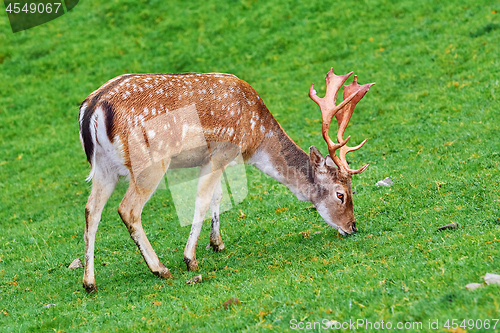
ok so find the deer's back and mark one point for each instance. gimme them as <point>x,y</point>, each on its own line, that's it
<point>227,109</point>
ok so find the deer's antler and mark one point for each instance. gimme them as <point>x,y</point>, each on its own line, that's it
<point>343,112</point>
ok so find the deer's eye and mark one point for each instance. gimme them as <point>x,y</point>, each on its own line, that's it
<point>340,196</point>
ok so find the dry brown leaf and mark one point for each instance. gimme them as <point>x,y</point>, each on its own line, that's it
<point>280,210</point>
<point>230,302</point>
<point>305,234</point>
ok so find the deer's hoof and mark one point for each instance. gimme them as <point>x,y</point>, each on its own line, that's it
<point>90,287</point>
<point>217,247</point>
<point>163,273</point>
<point>192,264</point>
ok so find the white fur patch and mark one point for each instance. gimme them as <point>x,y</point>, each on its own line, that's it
<point>323,211</point>
<point>108,157</point>
<point>262,161</point>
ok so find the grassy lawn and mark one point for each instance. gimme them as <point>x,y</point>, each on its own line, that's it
<point>433,126</point>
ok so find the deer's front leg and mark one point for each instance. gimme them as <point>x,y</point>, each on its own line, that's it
<point>101,191</point>
<point>206,185</point>
<point>215,237</point>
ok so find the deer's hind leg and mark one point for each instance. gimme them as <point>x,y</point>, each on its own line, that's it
<point>207,183</point>
<point>130,209</point>
<point>102,186</point>
<point>215,237</point>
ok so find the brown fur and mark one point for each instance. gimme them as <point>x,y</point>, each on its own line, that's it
<point>180,94</point>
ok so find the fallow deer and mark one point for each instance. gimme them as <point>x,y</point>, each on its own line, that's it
<point>139,125</point>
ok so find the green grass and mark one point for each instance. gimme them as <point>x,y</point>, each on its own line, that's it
<point>432,120</point>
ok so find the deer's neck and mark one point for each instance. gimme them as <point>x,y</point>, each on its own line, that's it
<point>280,158</point>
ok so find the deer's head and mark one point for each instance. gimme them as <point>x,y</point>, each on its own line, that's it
<point>332,194</point>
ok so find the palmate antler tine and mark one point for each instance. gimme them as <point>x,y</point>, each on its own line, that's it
<point>329,108</point>
<point>346,149</point>
<point>328,103</point>
<point>343,116</point>
<point>332,146</point>
<point>355,172</point>
<point>328,114</point>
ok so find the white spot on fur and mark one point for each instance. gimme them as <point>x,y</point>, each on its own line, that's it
<point>262,128</point>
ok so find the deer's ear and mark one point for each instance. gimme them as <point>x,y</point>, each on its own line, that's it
<point>329,161</point>
<point>317,160</point>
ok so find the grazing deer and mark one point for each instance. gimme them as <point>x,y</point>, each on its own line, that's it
<point>139,125</point>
